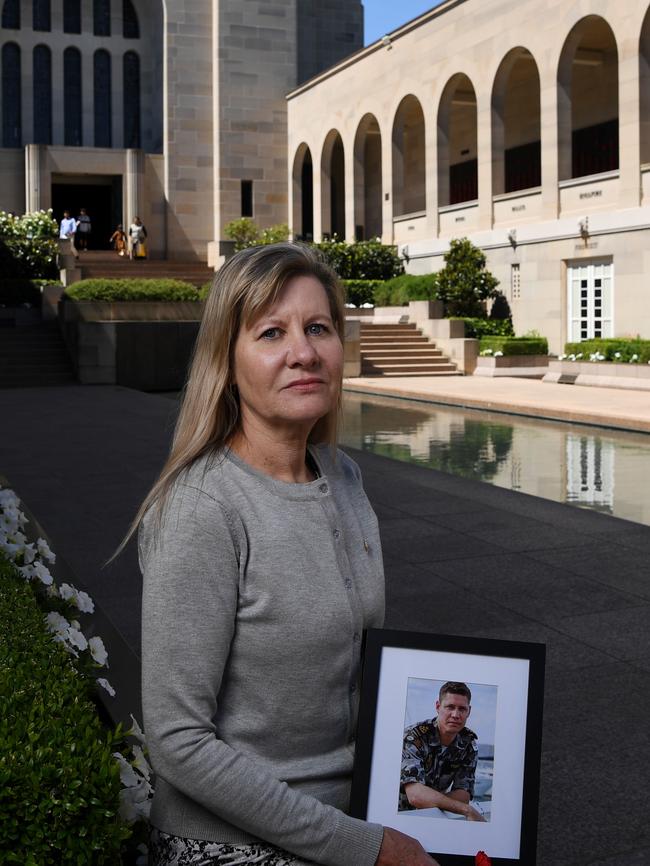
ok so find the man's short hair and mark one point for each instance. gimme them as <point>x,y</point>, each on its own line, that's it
<point>455,689</point>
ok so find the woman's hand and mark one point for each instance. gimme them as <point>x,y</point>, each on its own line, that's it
<point>398,849</point>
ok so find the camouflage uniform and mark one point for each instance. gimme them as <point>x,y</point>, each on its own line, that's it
<point>443,768</point>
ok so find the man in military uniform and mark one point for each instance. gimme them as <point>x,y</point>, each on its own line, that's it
<point>439,757</point>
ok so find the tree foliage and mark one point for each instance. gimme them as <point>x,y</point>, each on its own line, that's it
<point>464,284</point>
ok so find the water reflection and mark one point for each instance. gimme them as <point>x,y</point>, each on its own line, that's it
<point>603,470</point>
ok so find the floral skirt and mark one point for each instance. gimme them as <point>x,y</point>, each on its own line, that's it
<point>168,850</point>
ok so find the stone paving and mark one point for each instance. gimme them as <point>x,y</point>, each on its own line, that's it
<point>611,407</point>
<point>461,557</point>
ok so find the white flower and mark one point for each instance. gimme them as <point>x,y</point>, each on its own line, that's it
<point>76,638</point>
<point>561,357</point>
<point>52,591</point>
<point>140,762</point>
<point>44,550</point>
<point>617,354</point>
<point>128,776</point>
<point>29,554</point>
<point>8,498</point>
<point>572,357</point>
<point>66,591</point>
<point>579,355</point>
<point>27,571</point>
<point>84,602</point>
<point>136,731</point>
<point>98,650</point>
<point>104,683</point>
<point>42,573</point>
<point>135,803</point>
<point>498,354</point>
<point>57,624</point>
<point>634,358</point>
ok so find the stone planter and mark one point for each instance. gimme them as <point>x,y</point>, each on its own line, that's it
<point>601,374</point>
<point>131,311</point>
<point>524,366</point>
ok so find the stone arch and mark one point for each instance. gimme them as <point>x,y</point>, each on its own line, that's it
<point>516,124</point>
<point>333,186</point>
<point>457,142</point>
<point>644,87</point>
<point>408,151</point>
<point>367,179</point>
<point>303,194</point>
<point>587,82</point>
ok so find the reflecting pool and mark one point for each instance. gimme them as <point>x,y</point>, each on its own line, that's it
<point>601,469</point>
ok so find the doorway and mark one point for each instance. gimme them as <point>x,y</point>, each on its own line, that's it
<point>590,300</point>
<point>100,195</point>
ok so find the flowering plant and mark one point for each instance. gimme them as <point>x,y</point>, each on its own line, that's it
<point>28,245</point>
<point>63,604</point>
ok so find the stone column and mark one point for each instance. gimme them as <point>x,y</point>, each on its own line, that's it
<point>629,122</point>
<point>348,170</point>
<point>387,184</point>
<point>317,187</point>
<point>484,157</point>
<point>551,142</point>
<point>133,179</point>
<point>33,170</point>
<point>431,177</point>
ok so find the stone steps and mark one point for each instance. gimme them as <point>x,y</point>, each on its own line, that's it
<point>34,355</point>
<point>401,350</point>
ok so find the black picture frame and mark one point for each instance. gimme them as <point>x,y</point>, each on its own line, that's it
<point>511,675</point>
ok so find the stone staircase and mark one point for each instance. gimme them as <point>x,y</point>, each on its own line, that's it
<point>32,355</point>
<point>401,350</point>
<point>106,264</point>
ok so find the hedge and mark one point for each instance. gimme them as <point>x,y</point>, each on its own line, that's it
<point>132,290</point>
<point>14,292</point>
<point>486,327</point>
<point>515,345</point>
<point>359,292</point>
<point>626,347</point>
<point>401,289</point>
<point>365,260</point>
<point>59,784</point>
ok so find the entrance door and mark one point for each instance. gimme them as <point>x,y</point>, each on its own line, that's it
<point>101,196</point>
<point>590,300</point>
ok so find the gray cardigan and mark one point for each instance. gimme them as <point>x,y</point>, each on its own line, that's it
<point>256,594</point>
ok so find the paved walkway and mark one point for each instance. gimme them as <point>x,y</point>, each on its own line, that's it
<point>611,407</point>
<point>462,557</point>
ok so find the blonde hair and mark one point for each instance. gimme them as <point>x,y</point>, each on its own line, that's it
<point>242,290</point>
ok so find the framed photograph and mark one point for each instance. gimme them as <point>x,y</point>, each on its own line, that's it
<point>449,742</point>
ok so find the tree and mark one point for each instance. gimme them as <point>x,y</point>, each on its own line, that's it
<point>464,284</point>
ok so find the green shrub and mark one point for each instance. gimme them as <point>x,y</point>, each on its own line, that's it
<point>245,233</point>
<point>515,345</point>
<point>28,246</point>
<point>132,290</point>
<point>365,260</point>
<point>17,291</point>
<point>464,284</point>
<point>360,292</point>
<point>59,784</point>
<point>486,327</point>
<point>399,290</point>
<point>626,347</point>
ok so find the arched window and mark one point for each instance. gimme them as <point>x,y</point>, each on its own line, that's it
<point>102,91</point>
<point>130,25</point>
<point>11,15</point>
<point>72,16</point>
<point>131,84</point>
<point>102,17</point>
<point>11,113</point>
<point>41,15</point>
<point>72,97</point>
<point>42,77</point>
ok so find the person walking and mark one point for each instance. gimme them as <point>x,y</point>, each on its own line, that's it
<point>138,237</point>
<point>84,228</point>
<point>67,231</point>
<point>118,241</point>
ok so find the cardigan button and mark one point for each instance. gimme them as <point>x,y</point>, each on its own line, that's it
<point>336,533</point>
<point>323,488</point>
<point>348,583</point>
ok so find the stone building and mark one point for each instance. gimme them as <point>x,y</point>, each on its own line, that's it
<point>524,126</point>
<point>173,111</point>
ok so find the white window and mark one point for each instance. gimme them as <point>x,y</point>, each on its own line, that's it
<point>515,282</point>
<point>590,300</point>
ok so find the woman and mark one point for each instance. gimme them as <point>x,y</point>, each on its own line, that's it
<point>138,236</point>
<point>262,566</point>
